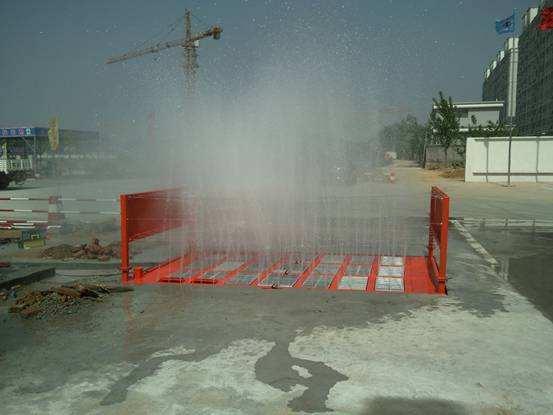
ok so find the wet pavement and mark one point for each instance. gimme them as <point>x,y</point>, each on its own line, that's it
<point>524,253</point>
<point>203,349</point>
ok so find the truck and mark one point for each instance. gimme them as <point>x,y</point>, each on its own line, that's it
<point>13,168</point>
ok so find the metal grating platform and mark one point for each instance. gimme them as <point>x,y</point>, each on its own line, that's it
<point>229,265</point>
<point>333,259</point>
<point>391,261</point>
<point>279,280</point>
<point>358,269</point>
<point>242,279</point>
<point>390,272</point>
<point>390,275</point>
<point>389,284</point>
<point>318,281</point>
<point>369,273</point>
<point>353,283</point>
<point>214,275</point>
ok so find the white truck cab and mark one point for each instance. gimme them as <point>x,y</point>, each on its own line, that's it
<point>13,168</point>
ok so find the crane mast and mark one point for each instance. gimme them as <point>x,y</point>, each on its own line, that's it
<point>189,45</point>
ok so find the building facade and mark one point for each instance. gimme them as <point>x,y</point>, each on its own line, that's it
<point>534,112</point>
<point>500,80</point>
<point>481,112</point>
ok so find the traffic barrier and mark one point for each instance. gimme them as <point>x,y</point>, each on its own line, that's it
<point>55,212</point>
<point>55,206</point>
<point>437,238</point>
<point>22,224</point>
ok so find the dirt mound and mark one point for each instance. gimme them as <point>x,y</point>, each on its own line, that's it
<point>92,250</point>
<point>453,174</point>
<point>64,299</point>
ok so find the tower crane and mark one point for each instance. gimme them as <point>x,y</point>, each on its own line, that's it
<point>189,43</point>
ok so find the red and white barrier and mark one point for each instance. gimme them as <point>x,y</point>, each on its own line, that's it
<point>56,214</point>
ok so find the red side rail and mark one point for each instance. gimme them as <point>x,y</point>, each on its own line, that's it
<point>148,213</point>
<point>437,237</point>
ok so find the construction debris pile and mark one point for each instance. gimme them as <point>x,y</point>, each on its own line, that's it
<point>92,250</point>
<point>64,299</point>
<point>455,173</point>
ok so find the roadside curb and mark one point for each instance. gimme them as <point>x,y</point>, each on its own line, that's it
<point>28,276</point>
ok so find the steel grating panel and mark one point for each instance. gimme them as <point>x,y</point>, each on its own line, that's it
<point>391,261</point>
<point>242,279</point>
<point>318,281</point>
<point>213,275</point>
<point>384,284</point>
<point>261,266</point>
<point>396,272</point>
<point>362,259</point>
<point>296,266</point>
<point>185,274</point>
<point>331,259</point>
<point>279,280</point>
<point>286,273</point>
<point>353,283</point>
<point>229,265</point>
<point>205,262</point>
<point>327,268</point>
<point>358,269</point>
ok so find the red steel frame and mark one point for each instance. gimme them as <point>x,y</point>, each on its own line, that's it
<point>149,213</point>
<point>437,236</point>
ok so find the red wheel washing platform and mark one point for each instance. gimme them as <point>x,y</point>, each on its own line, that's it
<point>149,213</point>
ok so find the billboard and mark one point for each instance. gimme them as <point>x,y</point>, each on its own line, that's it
<point>54,133</point>
<point>17,132</point>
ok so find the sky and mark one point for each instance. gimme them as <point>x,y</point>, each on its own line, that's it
<point>388,57</point>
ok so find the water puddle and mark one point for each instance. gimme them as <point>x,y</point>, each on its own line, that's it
<point>525,257</point>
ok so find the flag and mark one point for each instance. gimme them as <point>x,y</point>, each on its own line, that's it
<point>53,133</point>
<point>546,18</point>
<point>506,25</point>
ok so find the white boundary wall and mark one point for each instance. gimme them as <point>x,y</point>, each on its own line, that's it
<point>531,159</point>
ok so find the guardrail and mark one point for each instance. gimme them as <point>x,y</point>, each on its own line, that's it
<point>437,238</point>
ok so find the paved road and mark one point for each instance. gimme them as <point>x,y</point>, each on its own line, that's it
<point>407,198</point>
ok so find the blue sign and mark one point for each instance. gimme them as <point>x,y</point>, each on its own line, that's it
<point>22,132</point>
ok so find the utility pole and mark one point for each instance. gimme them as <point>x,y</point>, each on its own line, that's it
<point>509,151</point>
<point>190,45</point>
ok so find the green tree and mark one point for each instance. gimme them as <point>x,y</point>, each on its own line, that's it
<point>406,137</point>
<point>492,129</point>
<point>444,123</point>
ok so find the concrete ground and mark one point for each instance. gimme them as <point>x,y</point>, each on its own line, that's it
<point>484,349</point>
